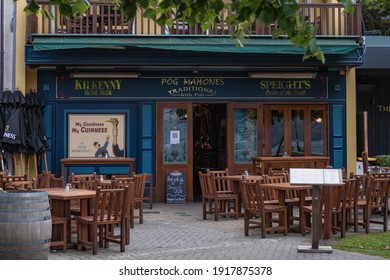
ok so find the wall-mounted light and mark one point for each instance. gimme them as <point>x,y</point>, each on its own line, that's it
<point>96,75</point>
<point>283,75</point>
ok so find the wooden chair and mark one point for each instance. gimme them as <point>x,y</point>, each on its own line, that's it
<point>88,184</point>
<point>273,179</point>
<point>105,184</point>
<point>57,182</point>
<point>207,194</point>
<point>122,181</point>
<point>214,201</point>
<point>20,185</point>
<point>352,190</point>
<point>138,201</point>
<point>43,180</point>
<point>377,194</point>
<point>275,172</point>
<point>13,178</point>
<point>78,181</point>
<point>110,208</point>
<point>149,198</point>
<point>257,213</point>
<point>221,185</point>
<point>75,179</point>
<point>119,183</point>
<point>337,206</point>
<point>63,223</point>
<point>271,196</point>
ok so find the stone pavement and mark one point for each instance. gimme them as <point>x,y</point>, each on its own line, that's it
<point>178,232</point>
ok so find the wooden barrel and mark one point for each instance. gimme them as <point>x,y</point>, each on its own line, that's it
<point>25,225</point>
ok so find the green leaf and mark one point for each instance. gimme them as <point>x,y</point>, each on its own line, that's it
<point>348,4</point>
<point>218,5</point>
<point>80,8</point>
<point>65,9</point>
<point>55,2</point>
<point>47,14</point>
<point>267,16</point>
<point>150,13</point>
<point>31,8</point>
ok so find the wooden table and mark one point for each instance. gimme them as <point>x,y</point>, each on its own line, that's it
<point>282,189</point>
<point>261,165</point>
<point>60,203</point>
<point>235,186</point>
<point>67,162</point>
<point>236,180</point>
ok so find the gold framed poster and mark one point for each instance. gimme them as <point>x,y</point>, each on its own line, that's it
<point>96,135</point>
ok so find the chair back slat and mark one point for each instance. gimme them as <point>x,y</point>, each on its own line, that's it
<point>139,186</point>
<point>78,179</point>
<point>220,184</point>
<point>275,179</point>
<point>252,195</point>
<point>44,180</point>
<point>205,184</point>
<point>351,191</point>
<point>377,191</point>
<point>88,184</point>
<point>110,204</point>
<point>338,197</point>
<point>20,185</point>
<point>122,182</point>
<point>57,182</point>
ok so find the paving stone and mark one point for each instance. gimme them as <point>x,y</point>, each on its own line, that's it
<point>167,234</point>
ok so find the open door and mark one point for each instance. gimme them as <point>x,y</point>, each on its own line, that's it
<point>174,145</point>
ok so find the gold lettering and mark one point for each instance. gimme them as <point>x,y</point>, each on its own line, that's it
<point>383,108</point>
<point>285,84</point>
<point>107,85</point>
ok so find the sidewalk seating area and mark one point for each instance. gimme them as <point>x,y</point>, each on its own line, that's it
<point>178,232</point>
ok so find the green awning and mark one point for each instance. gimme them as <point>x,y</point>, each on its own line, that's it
<point>255,44</point>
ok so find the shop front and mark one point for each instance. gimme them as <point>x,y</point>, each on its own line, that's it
<point>187,110</point>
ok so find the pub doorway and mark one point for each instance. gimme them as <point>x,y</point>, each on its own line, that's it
<point>209,140</point>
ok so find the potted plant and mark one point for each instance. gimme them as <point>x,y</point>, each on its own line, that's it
<point>382,160</point>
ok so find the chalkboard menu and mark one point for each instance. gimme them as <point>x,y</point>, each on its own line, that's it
<point>176,187</point>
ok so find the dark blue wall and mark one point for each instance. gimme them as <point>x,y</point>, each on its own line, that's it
<point>138,103</point>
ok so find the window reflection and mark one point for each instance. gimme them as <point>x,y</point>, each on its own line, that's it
<point>277,132</point>
<point>245,135</point>
<point>317,133</point>
<point>297,133</point>
<point>175,135</point>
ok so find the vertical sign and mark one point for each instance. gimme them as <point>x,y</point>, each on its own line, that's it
<point>176,187</point>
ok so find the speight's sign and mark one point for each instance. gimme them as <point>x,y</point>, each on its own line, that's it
<point>192,88</point>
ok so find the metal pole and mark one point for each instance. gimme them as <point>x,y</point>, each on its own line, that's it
<point>315,217</point>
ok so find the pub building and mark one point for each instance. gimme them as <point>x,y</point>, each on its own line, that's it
<point>190,102</point>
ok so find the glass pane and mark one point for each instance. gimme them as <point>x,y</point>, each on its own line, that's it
<point>297,133</point>
<point>277,132</point>
<point>317,133</point>
<point>245,135</point>
<point>175,135</point>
